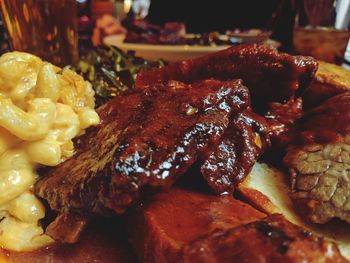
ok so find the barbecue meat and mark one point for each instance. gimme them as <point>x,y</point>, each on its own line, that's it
<point>244,141</point>
<point>146,139</point>
<point>164,223</point>
<point>281,119</point>
<point>185,226</point>
<point>319,161</point>
<point>269,240</point>
<point>270,76</point>
<point>330,80</point>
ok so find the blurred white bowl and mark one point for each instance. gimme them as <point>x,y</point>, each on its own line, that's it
<point>169,53</point>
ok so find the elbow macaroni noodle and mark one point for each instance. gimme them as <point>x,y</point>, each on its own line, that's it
<point>42,108</point>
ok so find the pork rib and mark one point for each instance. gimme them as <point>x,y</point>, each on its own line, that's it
<point>272,78</point>
<point>269,75</point>
<point>147,138</point>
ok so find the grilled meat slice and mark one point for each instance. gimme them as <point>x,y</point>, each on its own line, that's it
<point>164,223</point>
<point>272,239</point>
<point>270,76</point>
<point>147,138</point>
<point>319,161</point>
<point>233,159</point>
<point>185,226</point>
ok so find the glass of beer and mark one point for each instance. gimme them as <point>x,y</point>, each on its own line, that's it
<point>46,28</point>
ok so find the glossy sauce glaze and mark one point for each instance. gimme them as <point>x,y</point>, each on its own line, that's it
<point>244,141</point>
<point>148,138</point>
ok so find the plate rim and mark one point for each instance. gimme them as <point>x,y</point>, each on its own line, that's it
<point>118,40</point>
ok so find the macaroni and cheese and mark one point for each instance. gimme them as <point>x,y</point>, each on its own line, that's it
<point>42,108</point>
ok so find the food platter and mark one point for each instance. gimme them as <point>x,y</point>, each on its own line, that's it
<point>167,52</point>
<point>170,143</point>
<point>166,113</point>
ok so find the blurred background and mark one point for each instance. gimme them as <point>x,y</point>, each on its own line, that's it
<point>62,30</point>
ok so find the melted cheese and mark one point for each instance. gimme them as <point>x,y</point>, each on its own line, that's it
<point>42,108</point>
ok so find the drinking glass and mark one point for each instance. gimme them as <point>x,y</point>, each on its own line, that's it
<point>46,28</point>
<point>321,29</point>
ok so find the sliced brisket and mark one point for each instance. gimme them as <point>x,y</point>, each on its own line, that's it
<point>319,161</point>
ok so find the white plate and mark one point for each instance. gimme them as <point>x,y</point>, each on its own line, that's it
<point>169,53</point>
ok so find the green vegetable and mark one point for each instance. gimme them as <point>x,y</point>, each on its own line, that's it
<point>111,71</point>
